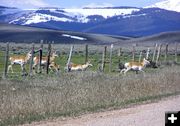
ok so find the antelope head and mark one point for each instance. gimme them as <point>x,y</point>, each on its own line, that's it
<point>146,62</point>
<point>54,54</point>
<point>29,54</point>
<point>89,64</point>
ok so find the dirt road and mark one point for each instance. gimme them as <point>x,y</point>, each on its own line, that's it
<point>152,114</point>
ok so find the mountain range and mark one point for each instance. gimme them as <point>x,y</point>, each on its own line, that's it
<point>125,21</point>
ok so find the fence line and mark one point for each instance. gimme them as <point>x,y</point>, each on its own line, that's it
<point>137,54</point>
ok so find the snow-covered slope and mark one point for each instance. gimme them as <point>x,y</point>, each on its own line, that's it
<point>70,15</point>
<point>101,11</point>
<point>173,5</point>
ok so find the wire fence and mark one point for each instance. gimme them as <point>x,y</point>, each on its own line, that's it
<point>103,57</point>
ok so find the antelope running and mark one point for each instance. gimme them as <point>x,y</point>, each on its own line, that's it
<point>79,67</point>
<point>136,66</point>
<point>44,60</point>
<point>21,60</point>
<point>54,67</point>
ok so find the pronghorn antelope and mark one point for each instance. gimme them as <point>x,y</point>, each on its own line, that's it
<point>54,67</point>
<point>44,60</point>
<point>21,60</point>
<point>137,66</point>
<point>79,67</point>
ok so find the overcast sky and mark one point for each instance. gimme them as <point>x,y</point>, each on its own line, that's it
<point>26,4</point>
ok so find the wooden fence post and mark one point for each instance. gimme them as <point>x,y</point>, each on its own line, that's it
<point>119,54</point>
<point>140,56</point>
<point>31,61</point>
<point>175,52</point>
<point>86,55</point>
<point>48,58</point>
<point>147,53</point>
<point>154,53</point>
<point>133,53</point>
<point>159,53</point>
<point>110,59</point>
<point>69,59</point>
<point>104,59</point>
<point>166,53</point>
<point>6,61</point>
<point>40,56</point>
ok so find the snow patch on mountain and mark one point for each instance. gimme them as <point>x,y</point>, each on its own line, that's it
<point>38,18</point>
<point>173,5</point>
<point>74,37</point>
<point>102,12</point>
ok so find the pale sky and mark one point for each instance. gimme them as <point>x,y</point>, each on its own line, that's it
<point>27,4</point>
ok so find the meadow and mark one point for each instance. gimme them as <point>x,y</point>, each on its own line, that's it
<point>40,97</point>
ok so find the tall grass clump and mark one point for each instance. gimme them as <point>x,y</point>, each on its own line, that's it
<point>69,94</point>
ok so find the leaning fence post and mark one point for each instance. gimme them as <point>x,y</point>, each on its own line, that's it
<point>110,59</point>
<point>175,52</point>
<point>69,59</point>
<point>86,55</point>
<point>40,56</point>
<point>31,61</point>
<point>48,58</point>
<point>154,53</point>
<point>6,61</point>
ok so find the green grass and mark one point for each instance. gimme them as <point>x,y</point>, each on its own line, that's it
<point>71,94</point>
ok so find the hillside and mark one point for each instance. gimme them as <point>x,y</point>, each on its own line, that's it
<point>164,37</point>
<point>24,34</point>
<point>16,33</point>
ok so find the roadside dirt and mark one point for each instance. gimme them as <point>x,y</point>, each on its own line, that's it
<point>152,114</point>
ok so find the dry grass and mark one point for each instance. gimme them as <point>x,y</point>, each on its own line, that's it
<point>23,101</point>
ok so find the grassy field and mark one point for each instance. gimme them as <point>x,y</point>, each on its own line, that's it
<point>23,100</point>
<point>71,94</point>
